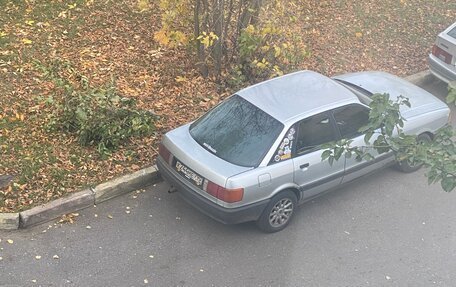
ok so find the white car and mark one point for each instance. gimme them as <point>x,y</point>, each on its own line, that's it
<point>442,60</point>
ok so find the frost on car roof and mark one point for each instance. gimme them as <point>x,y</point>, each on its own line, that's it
<point>298,93</point>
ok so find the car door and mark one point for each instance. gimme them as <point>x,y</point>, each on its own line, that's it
<point>311,174</point>
<point>349,119</point>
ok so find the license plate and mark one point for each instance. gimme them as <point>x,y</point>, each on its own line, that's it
<point>189,174</point>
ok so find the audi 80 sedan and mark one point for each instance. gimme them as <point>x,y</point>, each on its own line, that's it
<point>257,155</point>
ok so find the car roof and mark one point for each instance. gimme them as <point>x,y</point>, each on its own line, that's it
<point>293,95</point>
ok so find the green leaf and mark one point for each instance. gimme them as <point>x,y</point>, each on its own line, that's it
<point>448,183</point>
<point>368,157</point>
<point>326,154</point>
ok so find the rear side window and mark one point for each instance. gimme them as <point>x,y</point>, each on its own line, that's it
<point>349,119</point>
<point>313,132</point>
<point>283,152</point>
<point>237,131</point>
<point>452,33</point>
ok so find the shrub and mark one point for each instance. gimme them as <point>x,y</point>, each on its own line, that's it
<point>101,117</point>
<point>97,116</point>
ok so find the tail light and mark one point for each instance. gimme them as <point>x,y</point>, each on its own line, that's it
<point>165,154</point>
<point>224,194</point>
<point>442,54</point>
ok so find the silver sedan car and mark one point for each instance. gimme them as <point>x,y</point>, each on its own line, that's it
<point>257,155</point>
<point>442,60</point>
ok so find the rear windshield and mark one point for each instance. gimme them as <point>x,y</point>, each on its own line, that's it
<point>237,131</point>
<point>452,33</point>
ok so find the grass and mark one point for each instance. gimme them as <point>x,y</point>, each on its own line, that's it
<point>113,39</point>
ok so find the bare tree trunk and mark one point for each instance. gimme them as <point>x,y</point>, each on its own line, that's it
<point>250,13</point>
<point>244,15</point>
<point>218,29</point>
<point>225,32</point>
<point>201,64</point>
<point>255,8</point>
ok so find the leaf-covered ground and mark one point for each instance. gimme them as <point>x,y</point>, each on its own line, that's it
<point>114,39</point>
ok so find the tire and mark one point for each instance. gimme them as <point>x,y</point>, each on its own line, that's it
<point>408,166</point>
<point>278,213</point>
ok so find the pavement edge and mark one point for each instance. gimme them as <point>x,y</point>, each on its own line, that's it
<point>79,200</point>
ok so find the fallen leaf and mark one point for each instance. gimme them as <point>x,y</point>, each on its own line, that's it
<point>180,79</point>
<point>358,34</point>
<point>27,41</point>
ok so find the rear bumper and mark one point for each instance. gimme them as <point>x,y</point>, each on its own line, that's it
<point>222,214</point>
<point>443,71</point>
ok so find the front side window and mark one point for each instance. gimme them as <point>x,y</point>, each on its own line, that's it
<point>313,132</point>
<point>349,119</point>
<point>237,131</point>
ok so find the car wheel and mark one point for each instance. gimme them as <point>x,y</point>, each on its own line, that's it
<point>409,166</point>
<point>278,213</point>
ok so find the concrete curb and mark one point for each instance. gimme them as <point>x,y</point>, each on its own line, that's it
<point>125,184</point>
<point>79,200</point>
<point>56,208</point>
<point>9,221</point>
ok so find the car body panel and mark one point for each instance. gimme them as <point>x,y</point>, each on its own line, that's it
<point>191,195</point>
<point>381,82</point>
<point>281,173</point>
<point>355,168</point>
<point>426,113</point>
<point>441,69</point>
<point>314,176</point>
<point>289,97</point>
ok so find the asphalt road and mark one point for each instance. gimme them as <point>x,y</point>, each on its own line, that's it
<point>387,229</point>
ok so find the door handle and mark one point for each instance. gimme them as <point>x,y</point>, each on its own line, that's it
<point>302,166</point>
